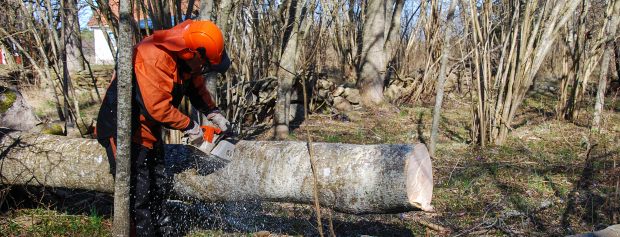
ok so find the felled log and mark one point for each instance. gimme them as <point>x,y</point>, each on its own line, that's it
<point>610,231</point>
<point>53,161</point>
<point>352,178</point>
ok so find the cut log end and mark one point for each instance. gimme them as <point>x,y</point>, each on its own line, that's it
<point>420,178</point>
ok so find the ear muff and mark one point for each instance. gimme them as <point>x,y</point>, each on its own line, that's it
<point>185,54</point>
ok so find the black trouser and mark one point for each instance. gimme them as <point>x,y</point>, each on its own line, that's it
<point>149,190</point>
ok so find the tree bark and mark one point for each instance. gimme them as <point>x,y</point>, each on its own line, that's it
<point>222,18</point>
<point>167,16</point>
<point>617,58</point>
<point>73,37</point>
<point>442,76</point>
<point>607,55</point>
<point>370,82</point>
<point>125,98</point>
<point>206,7</point>
<point>287,71</point>
<point>352,178</point>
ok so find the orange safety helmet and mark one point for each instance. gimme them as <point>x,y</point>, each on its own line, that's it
<point>207,35</point>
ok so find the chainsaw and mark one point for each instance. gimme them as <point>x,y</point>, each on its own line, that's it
<point>216,143</point>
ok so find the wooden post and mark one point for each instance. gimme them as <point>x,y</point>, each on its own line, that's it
<point>123,152</point>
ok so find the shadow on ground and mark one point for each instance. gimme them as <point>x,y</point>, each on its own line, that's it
<point>275,218</point>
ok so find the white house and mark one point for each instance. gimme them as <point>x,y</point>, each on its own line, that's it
<point>103,55</point>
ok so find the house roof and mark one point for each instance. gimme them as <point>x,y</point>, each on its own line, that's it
<point>114,4</point>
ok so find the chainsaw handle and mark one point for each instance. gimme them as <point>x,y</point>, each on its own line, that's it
<point>208,132</point>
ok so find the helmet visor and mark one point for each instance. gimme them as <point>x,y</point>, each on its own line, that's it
<point>223,66</point>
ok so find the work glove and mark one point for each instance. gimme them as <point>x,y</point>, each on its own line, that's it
<point>218,119</point>
<point>194,134</point>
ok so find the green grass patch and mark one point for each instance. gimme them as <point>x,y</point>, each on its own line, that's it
<point>9,99</point>
<point>39,222</point>
<point>331,138</point>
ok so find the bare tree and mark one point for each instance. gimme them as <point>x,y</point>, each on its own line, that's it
<point>287,70</point>
<point>392,30</point>
<point>123,154</point>
<point>27,20</point>
<point>442,76</point>
<point>527,33</point>
<point>75,58</point>
<point>574,43</point>
<point>371,67</point>
<point>614,15</point>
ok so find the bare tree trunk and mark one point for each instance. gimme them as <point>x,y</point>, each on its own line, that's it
<point>123,154</point>
<point>277,41</point>
<point>575,47</point>
<point>351,178</point>
<point>442,76</point>
<point>167,16</point>
<point>56,47</point>
<point>370,82</point>
<point>607,55</point>
<point>393,29</point>
<point>66,50</point>
<point>146,22</point>
<point>206,7</point>
<point>533,29</point>
<point>223,16</point>
<point>479,130</point>
<point>74,37</point>
<point>287,71</point>
<point>617,58</point>
<point>176,10</point>
<point>190,8</point>
<point>157,11</point>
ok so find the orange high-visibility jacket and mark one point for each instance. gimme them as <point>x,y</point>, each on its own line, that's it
<point>161,80</point>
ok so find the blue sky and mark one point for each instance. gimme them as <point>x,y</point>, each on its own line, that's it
<point>84,13</point>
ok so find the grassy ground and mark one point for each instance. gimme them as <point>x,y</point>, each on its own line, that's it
<point>40,222</point>
<point>552,178</point>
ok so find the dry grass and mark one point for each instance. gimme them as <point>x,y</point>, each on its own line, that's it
<point>552,178</point>
<point>41,100</point>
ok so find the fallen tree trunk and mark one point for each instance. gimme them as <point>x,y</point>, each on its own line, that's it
<point>352,178</point>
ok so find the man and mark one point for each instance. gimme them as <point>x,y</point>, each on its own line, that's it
<point>167,66</point>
